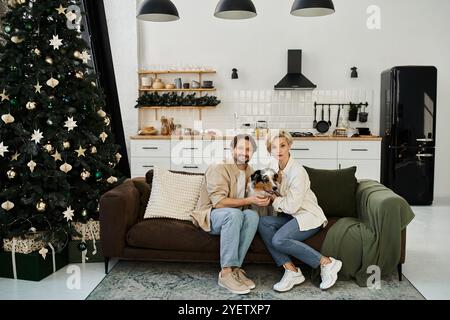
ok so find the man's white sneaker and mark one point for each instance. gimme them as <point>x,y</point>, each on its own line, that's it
<point>289,280</point>
<point>329,273</point>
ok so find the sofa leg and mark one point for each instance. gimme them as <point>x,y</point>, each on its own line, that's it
<point>399,270</point>
<point>106,265</point>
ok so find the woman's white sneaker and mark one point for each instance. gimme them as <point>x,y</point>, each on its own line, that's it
<point>329,273</point>
<point>289,280</point>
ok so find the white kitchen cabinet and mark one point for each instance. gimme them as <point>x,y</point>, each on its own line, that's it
<point>365,169</point>
<point>195,155</point>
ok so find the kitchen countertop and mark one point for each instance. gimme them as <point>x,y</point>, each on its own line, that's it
<point>211,137</point>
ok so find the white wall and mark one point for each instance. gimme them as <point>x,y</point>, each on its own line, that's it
<point>412,32</point>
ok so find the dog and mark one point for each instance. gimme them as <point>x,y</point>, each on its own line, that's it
<point>263,183</point>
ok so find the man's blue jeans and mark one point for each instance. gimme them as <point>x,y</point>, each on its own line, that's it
<point>237,229</point>
<point>283,239</point>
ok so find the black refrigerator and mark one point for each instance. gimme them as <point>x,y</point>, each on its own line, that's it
<point>408,129</point>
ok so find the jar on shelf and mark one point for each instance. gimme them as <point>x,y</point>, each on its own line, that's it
<point>158,84</point>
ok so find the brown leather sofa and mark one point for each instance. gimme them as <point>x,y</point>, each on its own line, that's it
<point>125,235</point>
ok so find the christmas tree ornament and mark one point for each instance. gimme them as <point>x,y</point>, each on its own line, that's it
<point>71,16</point>
<point>49,60</point>
<point>52,82</point>
<point>85,174</point>
<point>84,213</point>
<point>13,102</point>
<point>7,29</point>
<point>85,56</point>
<point>8,118</point>
<point>15,157</point>
<point>66,168</point>
<point>81,152</point>
<point>16,39</point>
<point>70,124</point>
<point>8,205</point>
<point>82,246</point>
<point>41,206</point>
<point>98,175</point>
<point>3,149</point>
<point>112,180</point>
<point>50,19</point>
<point>101,113</point>
<point>13,68</point>
<point>31,105</point>
<point>48,148</point>
<point>69,213</point>
<point>56,42</point>
<point>94,150</point>
<point>50,106</point>
<point>43,252</point>
<point>61,9</point>
<point>28,26</point>
<point>80,75</point>
<point>107,121</point>
<point>65,99</point>
<point>11,174</point>
<point>57,156</point>
<point>38,87</point>
<point>49,122</point>
<point>32,165</point>
<point>37,52</point>
<point>103,136</point>
<point>118,157</point>
<point>93,84</point>
<point>32,230</point>
<point>4,96</point>
<point>77,54</point>
<point>37,136</point>
<point>66,145</point>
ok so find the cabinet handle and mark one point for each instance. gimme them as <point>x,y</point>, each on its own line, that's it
<point>424,155</point>
<point>190,148</point>
<point>148,166</point>
<point>150,148</point>
<point>188,167</point>
<point>360,149</point>
<point>301,149</point>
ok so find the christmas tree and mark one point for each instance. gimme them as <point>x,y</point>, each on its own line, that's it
<point>57,151</point>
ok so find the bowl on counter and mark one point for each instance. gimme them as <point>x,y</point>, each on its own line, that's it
<point>364,131</point>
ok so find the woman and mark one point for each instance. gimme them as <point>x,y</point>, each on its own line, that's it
<point>299,218</point>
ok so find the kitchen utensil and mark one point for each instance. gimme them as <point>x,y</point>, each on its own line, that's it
<point>353,112</point>
<point>195,84</point>
<point>315,116</point>
<point>338,116</point>
<point>363,116</point>
<point>186,85</point>
<point>207,84</point>
<point>364,131</point>
<point>178,83</point>
<point>322,126</point>
<point>170,86</point>
<point>329,116</point>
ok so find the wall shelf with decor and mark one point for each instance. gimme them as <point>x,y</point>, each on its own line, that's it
<point>158,99</point>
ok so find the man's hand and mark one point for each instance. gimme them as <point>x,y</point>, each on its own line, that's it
<point>259,201</point>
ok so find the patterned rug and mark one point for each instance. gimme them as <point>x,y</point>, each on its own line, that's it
<point>198,281</point>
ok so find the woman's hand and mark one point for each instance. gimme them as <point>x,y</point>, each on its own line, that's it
<point>259,201</point>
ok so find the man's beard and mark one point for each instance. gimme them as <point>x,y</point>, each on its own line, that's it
<point>239,161</point>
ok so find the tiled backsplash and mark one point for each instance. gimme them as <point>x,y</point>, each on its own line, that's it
<point>292,110</point>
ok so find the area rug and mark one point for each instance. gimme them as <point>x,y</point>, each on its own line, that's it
<point>198,281</point>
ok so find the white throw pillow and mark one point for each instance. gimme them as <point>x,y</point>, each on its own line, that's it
<point>173,195</point>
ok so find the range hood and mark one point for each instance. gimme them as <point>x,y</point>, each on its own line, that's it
<point>295,80</point>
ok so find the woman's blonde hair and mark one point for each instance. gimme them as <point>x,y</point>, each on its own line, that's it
<point>278,134</point>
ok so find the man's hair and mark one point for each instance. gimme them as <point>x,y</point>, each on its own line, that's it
<point>246,137</point>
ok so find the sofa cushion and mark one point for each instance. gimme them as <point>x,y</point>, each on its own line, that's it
<point>144,191</point>
<point>172,235</point>
<point>149,175</point>
<point>335,191</point>
<point>173,195</point>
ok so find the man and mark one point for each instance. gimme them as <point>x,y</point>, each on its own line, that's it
<point>222,211</point>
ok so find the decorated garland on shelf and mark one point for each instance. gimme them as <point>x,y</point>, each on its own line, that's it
<point>174,99</point>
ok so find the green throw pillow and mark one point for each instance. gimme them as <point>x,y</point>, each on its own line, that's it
<point>335,191</point>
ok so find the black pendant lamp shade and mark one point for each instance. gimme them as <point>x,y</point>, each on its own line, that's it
<point>158,11</point>
<point>235,9</point>
<point>312,8</point>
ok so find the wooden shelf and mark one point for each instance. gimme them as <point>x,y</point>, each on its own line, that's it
<point>175,107</point>
<point>176,71</point>
<point>179,90</point>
